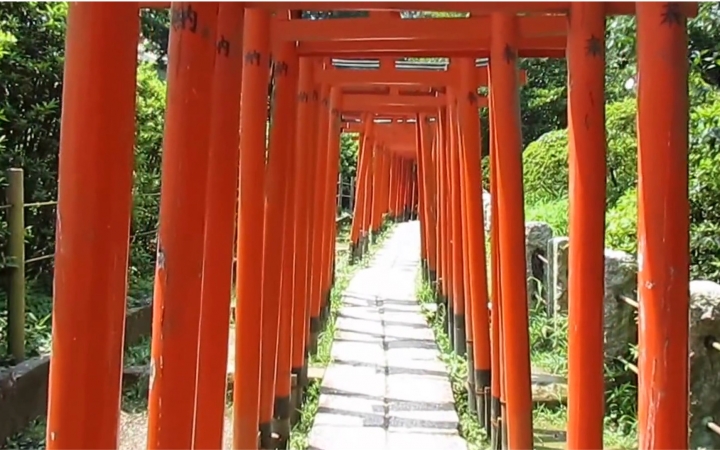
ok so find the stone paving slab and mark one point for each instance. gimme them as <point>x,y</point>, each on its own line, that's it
<point>387,388</point>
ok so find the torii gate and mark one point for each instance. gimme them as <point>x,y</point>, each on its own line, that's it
<point>94,200</point>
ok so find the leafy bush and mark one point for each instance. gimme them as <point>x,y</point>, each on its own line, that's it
<point>545,170</point>
<point>31,62</point>
<point>554,213</point>
<point>150,114</point>
<point>32,44</point>
<point>704,196</point>
<point>621,223</point>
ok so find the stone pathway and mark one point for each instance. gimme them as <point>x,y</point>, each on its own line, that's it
<point>386,388</point>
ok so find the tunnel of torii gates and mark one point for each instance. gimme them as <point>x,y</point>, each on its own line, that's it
<point>419,157</point>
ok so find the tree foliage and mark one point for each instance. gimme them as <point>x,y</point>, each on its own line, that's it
<point>545,159</point>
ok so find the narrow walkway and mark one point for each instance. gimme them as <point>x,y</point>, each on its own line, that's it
<point>386,388</point>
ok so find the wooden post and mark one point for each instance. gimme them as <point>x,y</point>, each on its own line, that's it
<point>221,195</point>
<point>504,76</point>
<point>586,142</point>
<point>179,266</point>
<point>16,252</point>
<point>281,150</point>
<point>95,167</point>
<point>251,218</point>
<point>663,226</point>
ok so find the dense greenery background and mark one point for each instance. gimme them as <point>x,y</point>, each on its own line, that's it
<point>31,61</point>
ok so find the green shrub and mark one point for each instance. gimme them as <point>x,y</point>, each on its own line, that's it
<point>149,122</point>
<point>621,223</point>
<point>704,189</point>
<point>704,196</point>
<point>555,213</point>
<point>545,170</point>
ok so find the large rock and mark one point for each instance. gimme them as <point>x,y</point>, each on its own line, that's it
<point>620,281</point>
<point>704,363</point>
<point>537,235</point>
<point>620,326</point>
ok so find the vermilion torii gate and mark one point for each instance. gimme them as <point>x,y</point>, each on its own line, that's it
<point>219,60</point>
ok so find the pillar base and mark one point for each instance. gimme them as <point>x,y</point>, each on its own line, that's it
<point>450,330</point>
<point>324,311</point>
<point>446,313</point>
<point>352,253</point>
<point>503,427</point>
<point>459,339</point>
<point>332,274</point>
<point>303,380</point>
<point>495,427</point>
<point>281,422</point>
<point>295,396</point>
<point>266,436</point>
<point>314,335</point>
<point>482,396</point>
<point>472,404</point>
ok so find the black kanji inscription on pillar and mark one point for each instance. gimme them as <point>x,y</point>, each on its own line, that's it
<point>184,17</point>
<point>672,15</point>
<point>223,46</point>
<point>472,98</point>
<point>303,97</point>
<point>252,58</point>
<point>509,54</point>
<point>315,96</point>
<point>593,46</point>
<point>281,68</point>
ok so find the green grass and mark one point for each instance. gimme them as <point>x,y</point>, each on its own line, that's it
<point>343,274</point>
<point>555,213</point>
<point>469,429</point>
<point>548,352</point>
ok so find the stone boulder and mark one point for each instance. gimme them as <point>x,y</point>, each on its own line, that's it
<point>537,235</point>
<point>556,286</point>
<point>619,321</point>
<point>704,363</point>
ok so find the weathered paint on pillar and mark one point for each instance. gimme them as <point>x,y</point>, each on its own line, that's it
<point>281,140</point>
<point>586,133</point>
<point>94,199</point>
<point>248,310</point>
<point>504,75</point>
<point>282,407</point>
<point>663,226</point>
<point>221,195</point>
<point>477,259</point>
<point>179,265</point>
<point>302,192</point>
<point>455,187</point>
<point>494,423</point>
